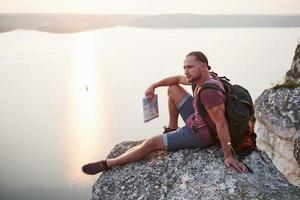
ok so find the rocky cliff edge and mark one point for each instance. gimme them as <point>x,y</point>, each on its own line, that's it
<point>192,174</point>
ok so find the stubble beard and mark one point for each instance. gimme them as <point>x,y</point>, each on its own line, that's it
<point>194,79</point>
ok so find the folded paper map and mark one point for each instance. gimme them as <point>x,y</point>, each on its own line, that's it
<point>150,108</point>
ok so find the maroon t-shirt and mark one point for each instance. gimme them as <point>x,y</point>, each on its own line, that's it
<point>209,98</point>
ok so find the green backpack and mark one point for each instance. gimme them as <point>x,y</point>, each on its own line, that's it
<point>239,110</point>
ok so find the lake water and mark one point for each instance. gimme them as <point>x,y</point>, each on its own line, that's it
<point>67,99</point>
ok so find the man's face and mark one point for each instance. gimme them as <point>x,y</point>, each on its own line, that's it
<point>193,68</point>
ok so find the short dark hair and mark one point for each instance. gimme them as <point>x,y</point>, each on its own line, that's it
<point>200,56</point>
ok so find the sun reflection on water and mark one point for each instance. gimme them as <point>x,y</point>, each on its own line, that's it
<point>85,112</point>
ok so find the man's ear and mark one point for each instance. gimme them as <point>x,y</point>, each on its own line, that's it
<point>205,65</point>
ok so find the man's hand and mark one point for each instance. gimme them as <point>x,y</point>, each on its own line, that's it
<point>239,166</point>
<point>149,93</point>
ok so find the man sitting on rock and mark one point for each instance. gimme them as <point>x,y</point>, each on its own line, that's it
<point>195,134</point>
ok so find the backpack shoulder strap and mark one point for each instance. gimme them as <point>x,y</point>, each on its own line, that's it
<point>211,86</point>
<point>207,86</point>
<point>201,107</point>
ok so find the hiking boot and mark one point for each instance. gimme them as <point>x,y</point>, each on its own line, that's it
<point>95,168</point>
<point>167,129</point>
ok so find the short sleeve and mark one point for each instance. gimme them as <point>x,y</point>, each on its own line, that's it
<point>211,98</point>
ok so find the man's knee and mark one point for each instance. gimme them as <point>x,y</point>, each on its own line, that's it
<point>154,144</point>
<point>176,93</point>
<point>173,89</point>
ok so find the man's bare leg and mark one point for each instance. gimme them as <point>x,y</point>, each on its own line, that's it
<point>175,94</point>
<point>173,115</point>
<point>132,155</point>
<point>138,152</point>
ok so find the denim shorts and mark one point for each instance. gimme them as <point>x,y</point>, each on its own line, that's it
<point>183,138</point>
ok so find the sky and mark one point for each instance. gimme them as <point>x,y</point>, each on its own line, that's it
<point>281,7</point>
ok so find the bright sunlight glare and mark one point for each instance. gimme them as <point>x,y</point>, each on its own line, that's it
<point>86,103</point>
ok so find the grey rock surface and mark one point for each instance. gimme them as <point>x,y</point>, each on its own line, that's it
<point>293,75</point>
<point>277,112</point>
<point>297,150</point>
<point>191,174</point>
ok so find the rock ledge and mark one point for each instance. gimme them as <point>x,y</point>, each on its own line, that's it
<point>192,174</point>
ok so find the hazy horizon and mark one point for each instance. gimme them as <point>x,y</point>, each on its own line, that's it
<point>63,23</point>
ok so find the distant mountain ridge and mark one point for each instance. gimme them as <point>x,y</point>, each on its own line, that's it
<point>69,23</point>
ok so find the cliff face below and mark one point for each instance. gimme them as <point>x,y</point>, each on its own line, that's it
<point>277,111</point>
<point>278,128</point>
<point>192,174</point>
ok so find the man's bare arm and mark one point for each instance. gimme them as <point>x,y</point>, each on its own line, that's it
<point>173,80</point>
<point>217,114</point>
